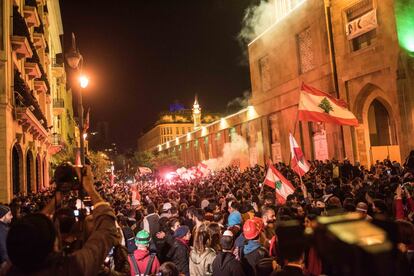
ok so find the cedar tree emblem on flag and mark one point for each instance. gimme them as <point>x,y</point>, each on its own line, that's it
<point>326,105</point>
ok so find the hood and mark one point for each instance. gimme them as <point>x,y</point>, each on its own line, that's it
<point>251,246</point>
<point>197,258</point>
<point>141,254</point>
<point>223,258</point>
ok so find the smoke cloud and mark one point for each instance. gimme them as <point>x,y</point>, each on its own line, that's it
<point>235,152</point>
<point>256,20</point>
<point>240,102</point>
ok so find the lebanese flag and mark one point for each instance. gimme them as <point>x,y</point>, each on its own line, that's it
<point>276,180</point>
<point>318,106</point>
<point>298,162</point>
<point>203,169</point>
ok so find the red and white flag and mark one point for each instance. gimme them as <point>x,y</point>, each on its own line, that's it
<point>86,121</point>
<point>203,169</point>
<point>298,162</point>
<point>144,170</point>
<point>276,180</point>
<point>318,106</point>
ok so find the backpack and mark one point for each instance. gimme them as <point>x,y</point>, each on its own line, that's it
<point>129,237</point>
<point>136,268</point>
<point>266,266</point>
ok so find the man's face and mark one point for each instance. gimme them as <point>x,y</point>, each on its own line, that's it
<point>7,218</point>
<point>300,212</point>
<point>269,217</point>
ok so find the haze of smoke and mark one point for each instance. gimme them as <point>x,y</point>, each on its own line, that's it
<point>237,149</point>
<point>256,20</point>
<point>242,101</point>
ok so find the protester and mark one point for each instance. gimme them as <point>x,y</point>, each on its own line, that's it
<point>142,262</point>
<point>202,255</point>
<point>31,240</point>
<point>226,264</point>
<point>231,214</point>
<point>180,250</point>
<point>5,219</point>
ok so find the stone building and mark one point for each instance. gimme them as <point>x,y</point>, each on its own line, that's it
<point>173,124</point>
<point>348,48</point>
<point>32,82</point>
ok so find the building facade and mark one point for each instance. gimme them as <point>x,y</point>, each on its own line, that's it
<point>350,49</point>
<point>30,81</point>
<point>174,124</point>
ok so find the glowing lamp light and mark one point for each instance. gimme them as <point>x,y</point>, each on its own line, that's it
<point>83,81</point>
<point>188,136</point>
<point>251,112</point>
<point>177,141</point>
<point>159,148</point>
<point>85,135</point>
<point>223,123</point>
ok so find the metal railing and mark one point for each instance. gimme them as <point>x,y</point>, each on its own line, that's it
<point>58,103</point>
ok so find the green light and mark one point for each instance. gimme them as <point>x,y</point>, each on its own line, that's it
<point>404,11</point>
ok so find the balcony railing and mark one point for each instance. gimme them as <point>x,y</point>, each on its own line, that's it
<point>56,139</point>
<point>24,98</point>
<point>58,103</point>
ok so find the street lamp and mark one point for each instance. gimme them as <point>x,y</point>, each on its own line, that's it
<point>75,61</point>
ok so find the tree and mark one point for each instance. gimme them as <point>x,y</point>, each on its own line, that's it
<point>143,159</point>
<point>164,160</point>
<point>62,156</point>
<point>100,164</point>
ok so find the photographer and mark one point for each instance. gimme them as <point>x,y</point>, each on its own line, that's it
<point>31,241</point>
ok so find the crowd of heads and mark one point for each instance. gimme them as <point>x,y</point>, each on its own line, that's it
<point>229,223</point>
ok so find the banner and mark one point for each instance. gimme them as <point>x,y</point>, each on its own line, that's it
<point>361,25</point>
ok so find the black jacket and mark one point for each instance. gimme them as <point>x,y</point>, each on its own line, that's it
<point>3,235</point>
<point>179,255</point>
<point>225,264</point>
<point>249,261</point>
<point>289,271</point>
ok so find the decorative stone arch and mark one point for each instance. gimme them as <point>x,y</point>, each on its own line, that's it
<point>17,168</point>
<point>30,171</point>
<point>368,95</point>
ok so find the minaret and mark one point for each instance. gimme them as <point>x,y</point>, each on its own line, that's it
<point>196,114</point>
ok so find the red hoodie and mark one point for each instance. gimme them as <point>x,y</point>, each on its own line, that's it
<point>143,257</point>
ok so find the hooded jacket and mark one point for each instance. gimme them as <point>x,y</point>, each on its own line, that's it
<point>225,264</point>
<point>142,257</point>
<point>179,255</point>
<point>201,265</point>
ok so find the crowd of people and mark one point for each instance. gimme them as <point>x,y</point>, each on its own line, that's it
<point>226,223</point>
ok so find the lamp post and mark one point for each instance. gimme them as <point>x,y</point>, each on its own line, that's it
<point>75,61</point>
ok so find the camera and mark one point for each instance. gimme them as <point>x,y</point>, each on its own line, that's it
<point>66,178</point>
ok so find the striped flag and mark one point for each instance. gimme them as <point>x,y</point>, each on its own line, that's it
<point>318,106</point>
<point>276,180</point>
<point>298,162</point>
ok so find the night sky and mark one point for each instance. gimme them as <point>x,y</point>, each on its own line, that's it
<point>142,55</point>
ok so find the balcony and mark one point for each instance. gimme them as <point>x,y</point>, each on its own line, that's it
<point>58,103</point>
<point>40,86</point>
<point>25,99</point>
<point>58,106</point>
<point>56,139</point>
<point>21,47</point>
<point>31,16</point>
<point>32,70</point>
<point>30,123</point>
<point>39,40</point>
